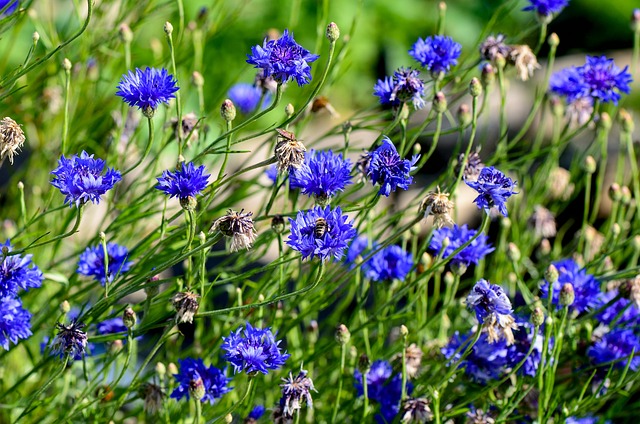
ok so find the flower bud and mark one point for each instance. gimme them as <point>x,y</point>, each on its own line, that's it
<point>277,224</point>
<point>168,28</point>
<point>459,268</point>
<point>626,121</point>
<point>66,64</point>
<point>553,40</point>
<point>615,192</point>
<point>557,106</point>
<point>65,307</point>
<point>537,316</point>
<point>289,110</point>
<point>228,418</point>
<point>161,369</point>
<point>501,61</point>
<point>567,295</point>
<point>635,243</point>
<point>228,110</point>
<point>342,334</point>
<point>589,164</point>
<point>440,102</point>
<point>129,317</point>
<point>505,223</point>
<point>188,203</point>
<point>551,274</point>
<point>464,115</point>
<point>635,20</point>
<point>416,149</point>
<point>404,331</point>
<point>126,35</point>
<point>197,79</point>
<point>364,363</point>
<point>35,37</point>
<point>197,389</point>
<point>615,229</point>
<point>488,75</point>
<point>172,369</point>
<point>605,121</point>
<point>448,279</point>
<point>333,32</point>
<point>513,253</point>
<point>626,195</point>
<point>475,88</point>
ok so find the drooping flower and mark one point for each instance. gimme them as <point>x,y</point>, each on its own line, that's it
<point>386,168</point>
<point>91,262</point>
<point>390,263</point>
<point>437,204</point>
<point>239,226</point>
<point>457,236</point>
<point>17,272</point>
<point>193,373</point>
<point>382,387</point>
<point>15,322</point>
<point>296,391</point>
<point>486,361</point>
<point>494,188</point>
<point>289,151</point>
<point>153,396</point>
<point>81,178</point>
<point>616,347</point>
<point>546,7</point>
<point>323,174</point>
<point>605,80</point>
<point>246,97</point>
<point>437,53</point>
<point>11,137</point>
<point>321,232</point>
<point>283,59</point>
<point>585,286</point>
<point>524,60</point>
<point>405,86</point>
<point>253,350</point>
<point>146,89</point>
<point>493,309</point>
<point>185,183</point>
<point>70,340</point>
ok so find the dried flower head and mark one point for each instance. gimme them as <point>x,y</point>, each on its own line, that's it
<point>543,222</point>
<point>472,168</point>
<point>630,289</point>
<point>189,127</point>
<point>11,139</point>
<point>296,391</point>
<point>494,46</point>
<point>279,417</point>
<point>153,396</point>
<point>478,416</point>
<point>70,340</point>
<point>524,60</point>
<point>289,151</point>
<point>186,305</point>
<point>559,185</point>
<point>416,411</point>
<point>413,357</point>
<point>437,204</point>
<point>239,226</point>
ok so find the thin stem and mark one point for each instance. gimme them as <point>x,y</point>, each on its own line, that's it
<point>196,419</point>
<point>237,404</point>
<point>336,406</point>
<point>147,149</point>
<point>65,122</point>
<point>226,153</point>
<point>175,75</point>
<point>105,252</point>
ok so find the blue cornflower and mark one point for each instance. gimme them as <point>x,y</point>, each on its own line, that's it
<point>356,248</point>
<point>283,59</point>
<point>322,175</point>
<point>15,322</point>
<point>493,309</point>
<point>253,350</point>
<point>391,263</point>
<point>622,312</point>
<point>458,236</point>
<point>80,179</point>
<point>585,286</point>
<point>91,262</point>
<point>185,183</point>
<point>17,272</point>
<point>437,53</point>
<point>589,419</point>
<point>272,173</point>
<point>147,89</point>
<point>569,82</point>
<point>616,346</point>
<point>246,97</point>
<point>382,388</point>
<point>70,340</point>
<point>494,189</point>
<point>10,5</point>
<point>546,7</point>
<point>519,350</point>
<point>112,326</point>
<point>194,376</point>
<point>386,168</point>
<point>256,413</point>
<point>487,361</point>
<point>405,86</point>
<point>605,80</point>
<point>321,232</point>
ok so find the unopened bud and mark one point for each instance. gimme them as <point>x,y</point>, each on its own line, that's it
<point>567,295</point>
<point>277,224</point>
<point>66,64</point>
<point>615,192</point>
<point>172,369</point>
<point>161,369</point>
<point>440,102</point>
<point>65,307</point>
<point>364,363</point>
<point>553,40</point>
<point>197,79</point>
<point>289,110</point>
<point>188,203</point>
<point>416,149</point>
<point>488,75</point>
<point>635,20</point>
<point>635,243</point>
<point>459,268</point>
<point>626,195</point>
<point>501,61</point>
<point>513,253</point>
<point>168,28</point>
<point>449,279</point>
<point>129,317</point>
<point>228,418</point>
<point>626,121</point>
<point>228,110</point>
<point>464,115</point>
<point>557,106</point>
<point>197,389</point>
<point>404,331</point>
<point>551,274</point>
<point>589,164</point>
<point>342,334</point>
<point>126,35</point>
<point>537,316</point>
<point>605,121</point>
<point>333,32</point>
<point>505,223</point>
<point>35,37</point>
<point>475,88</point>
<point>615,229</point>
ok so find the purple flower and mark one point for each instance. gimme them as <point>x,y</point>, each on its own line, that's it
<point>81,179</point>
<point>622,312</point>
<point>404,87</point>
<point>147,89</point>
<point>322,175</point>
<point>493,309</point>
<point>91,262</point>
<point>8,6</point>
<point>257,412</point>
<point>283,59</point>
<point>112,326</point>
<point>70,340</point>
<point>486,361</point>
<point>568,82</point>
<point>494,189</point>
<point>187,182</point>
<point>356,248</point>
<point>193,373</point>
<point>382,388</point>
<point>458,236</point>
<point>15,322</point>
<point>518,351</point>
<point>324,233</point>
<point>605,80</point>
<point>391,263</point>
<point>546,7</point>
<point>589,419</point>
<point>437,53</point>
<point>585,286</point>
<point>17,273</point>
<point>253,350</point>
<point>388,169</point>
<point>616,346</point>
<point>246,97</point>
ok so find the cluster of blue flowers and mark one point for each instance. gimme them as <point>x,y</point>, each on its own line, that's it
<point>387,264</point>
<point>383,387</point>
<point>455,238</point>
<point>322,175</point>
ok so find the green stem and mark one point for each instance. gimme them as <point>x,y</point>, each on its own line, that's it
<point>65,122</point>
<point>237,404</point>
<point>336,406</point>
<point>175,75</point>
<point>147,149</point>
<point>365,406</point>
<point>105,252</point>
<point>56,238</point>
<point>226,154</point>
<point>196,419</point>
<point>465,159</point>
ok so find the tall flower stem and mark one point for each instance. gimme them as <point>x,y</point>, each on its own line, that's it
<point>175,75</point>
<point>105,252</point>
<point>196,419</point>
<point>237,404</point>
<point>65,122</point>
<point>467,152</point>
<point>226,154</point>
<point>502,148</point>
<point>365,390</point>
<point>147,148</point>
<point>336,406</point>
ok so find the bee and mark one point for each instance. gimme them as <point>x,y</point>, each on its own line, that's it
<point>321,227</point>
<point>286,135</point>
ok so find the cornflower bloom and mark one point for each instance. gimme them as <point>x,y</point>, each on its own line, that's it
<point>253,350</point>
<point>390,263</point>
<point>494,188</point>
<point>589,419</point>
<point>493,309</point>
<point>146,89</point>
<point>616,346</point>
<point>544,8</point>
<point>17,272</point>
<point>112,326</point>
<point>486,362</point>
<point>11,138</point>
<point>296,391</point>
<point>256,413</point>
<point>70,341</point>
<point>405,86</point>
<point>457,236</point>
<point>585,286</point>
<point>382,387</point>
<point>437,53</point>
<point>321,232</point>
<point>239,226</point>
<point>246,97</point>
<point>91,262</point>
<point>185,183</point>
<point>15,322</point>
<point>81,179</point>
<point>386,168</point>
<point>283,59</point>
<point>323,174</point>
<point>524,337</point>
<point>194,379</point>
<point>622,312</point>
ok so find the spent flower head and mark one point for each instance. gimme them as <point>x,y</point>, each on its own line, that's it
<point>437,53</point>
<point>11,138</point>
<point>186,305</point>
<point>289,151</point>
<point>153,396</point>
<point>81,179</point>
<point>437,204</point>
<point>253,350</point>
<point>494,188</point>
<point>239,226</point>
<point>146,89</point>
<point>194,375</point>
<point>92,262</point>
<point>70,341</point>
<point>296,391</point>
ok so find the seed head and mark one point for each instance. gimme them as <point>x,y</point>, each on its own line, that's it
<point>524,61</point>
<point>11,139</point>
<point>239,226</point>
<point>186,305</point>
<point>416,411</point>
<point>296,391</point>
<point>289,151</point>
<point>437,204</point>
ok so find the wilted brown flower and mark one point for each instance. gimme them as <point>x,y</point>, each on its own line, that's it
<point>11,139</point>
<point>437,204</point>
<point>186,305</point>
<point>523,59</point>
<point>289,151</point>
<point>239,226</point>
<point>542,222</point>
